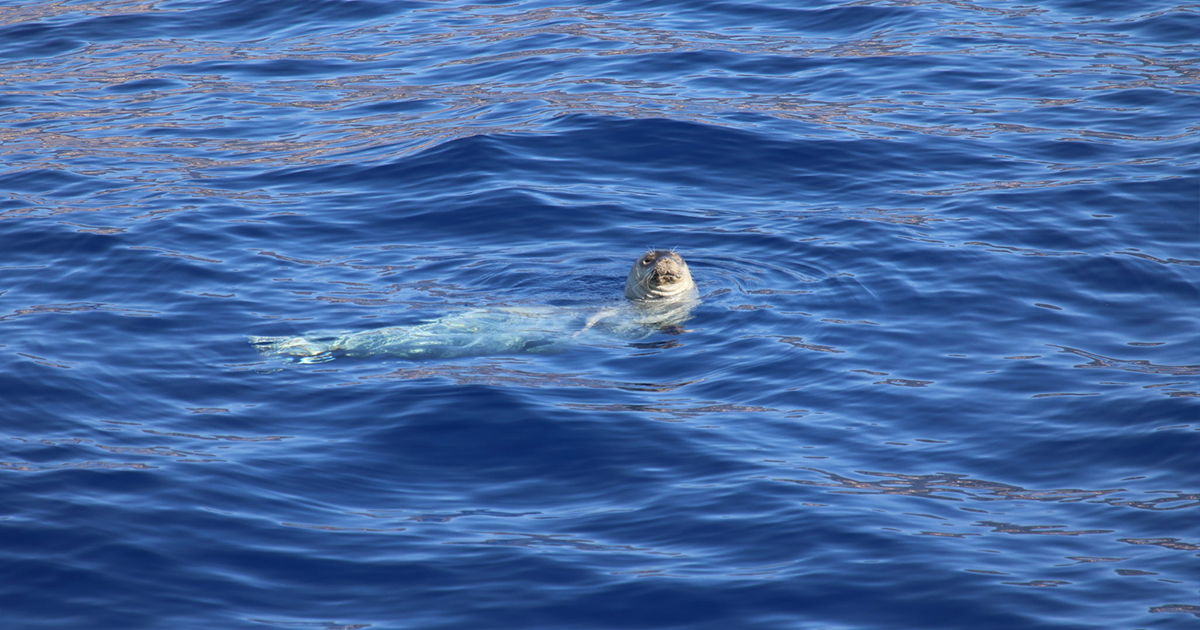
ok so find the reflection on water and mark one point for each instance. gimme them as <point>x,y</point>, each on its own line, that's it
<point>957,487</point>
<point>119,121</point>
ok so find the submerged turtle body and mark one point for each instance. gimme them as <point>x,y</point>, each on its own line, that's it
<point>661,295</point>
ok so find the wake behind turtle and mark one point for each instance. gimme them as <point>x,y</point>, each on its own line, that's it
<point>659,294</point>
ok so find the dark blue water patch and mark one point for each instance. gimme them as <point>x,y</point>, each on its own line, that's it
<point>825,22</point>
<point>608,466</point>
<point>1177,26</point>
<point>1107,8</point>
<point>1141,98</point>
<point>33,391</point>
<point>236,21</point>
<point>1063,152</point>
<point>61,183</point>
<point>257,69</point>
<point>667,152</point>
<point>147,85</point>
<point>36,44</point>
<point>231,21</point>
<point>834,22</point>
<point>1155,292</point>
<point>1104,414</point>
<point>772,74</point>
<point>49,38</point>
<point>494,216</point>
<point>548,44</point>
<point>399,106</point>
<point>440,166</point>
<point>34,244</point>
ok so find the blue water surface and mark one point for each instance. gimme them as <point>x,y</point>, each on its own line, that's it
<point>944,374</point>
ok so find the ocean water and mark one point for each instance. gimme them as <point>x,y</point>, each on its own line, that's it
<point>944,374</point>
